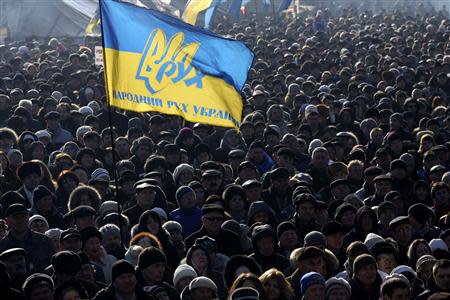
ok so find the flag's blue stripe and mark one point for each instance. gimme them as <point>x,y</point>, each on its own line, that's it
<point>126,28</point>
<point>235,9</point>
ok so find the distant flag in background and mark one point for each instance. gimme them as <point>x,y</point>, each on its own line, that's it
<point>234,10</point>
<point>193,8</point>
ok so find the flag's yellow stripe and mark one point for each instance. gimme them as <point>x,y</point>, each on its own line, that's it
<point>193,8</point>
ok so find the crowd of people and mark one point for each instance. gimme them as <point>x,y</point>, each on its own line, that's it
<point>336,186</point>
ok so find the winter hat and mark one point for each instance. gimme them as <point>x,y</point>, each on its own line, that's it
<point>121,267</point>
<point>133,253</point>
<point>36,280</point>
<point>245,293</point>
<point>183,271</point>
<point>172,225</point>
<point>285,226</point>
<point>334,283</point>
<point>100,174</point>
<point>89,232</point>
<point>372,239</point>
<point>53,233</point>
<point>150,256</point>
<point>310,279</point>
<point>420,212</point>
<point>67,262</point>
<point>315,238</point>
<point>108,207</point>
<point>203,282</point>
<point>438,244</point>
<point>183,190</point>
<point>161,213</point>
<point>181,169</point>
<point>423,260</point>
<point>363,260</point>
<point>407,158</point>
<point>40,192</point>
<point>403,269</point>
<point>262,231</point>
<point>37,218</point>
<point>109,230</point>
<point>233,226</point>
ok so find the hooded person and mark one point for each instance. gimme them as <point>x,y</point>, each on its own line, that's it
<point>260,211</point>
<point>366,222</point>
<point>188,214</point>
<point>265,245</point>
<point>44,205</point>
<point>150,270</point>
<point>237,265</point>
<point>366,281</point>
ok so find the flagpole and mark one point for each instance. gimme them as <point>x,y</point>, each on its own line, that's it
<point>273,12</point>
<point>111,128</point>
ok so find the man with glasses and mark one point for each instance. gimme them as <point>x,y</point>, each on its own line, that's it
<point>212,218</point>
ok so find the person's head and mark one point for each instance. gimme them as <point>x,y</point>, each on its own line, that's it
<point>152,265</point>
<point>198,258</point>
<point>123,278</point>
<point>395,289</point>
<point>38,286</point>
<point>183,276</point>
<point>338,289</point>
<point>441,275</point>
<point>386,256</point>
<point>311,259</point>
<point>15,262</point>
<point>417,249</point>
<point>145,195</point>
<point>287,235</point>
<point>401,229</point>
<point>320,158</point>
<point>149,221</point>
<point>202,288</point>
<point>17,218</point>
<point>275,285</point>
<point>92,242</point>
<point>70,239</point>
<point>185,197</point>
<point>83,216</point>
<point>365,270</point>
<point>110,236</point>
<point>383,185</point>
<point>313,286</point>
<point>440,193</point>
<point>424,267</point>
<point>30,174</point>
<point>247,280</point>
<point>212,218</point>
<point>305,205</point>
<point>38,223</point>
<point>264,240</point>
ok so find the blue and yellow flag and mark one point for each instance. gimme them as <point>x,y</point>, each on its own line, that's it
<point>193,8</point>
<point>154,62</point>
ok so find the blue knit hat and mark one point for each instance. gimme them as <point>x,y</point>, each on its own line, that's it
<point>310,279</point>
<point>183,190</point>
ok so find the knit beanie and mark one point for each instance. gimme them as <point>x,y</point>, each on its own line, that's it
<point>180,169</point>
<point>150,256</point>
<point>183,190</point>
<point>54,233</point>
<point>89,232</point>
<point>183,271</point>
<point>363,260</point>
<point>109,230</point>
<point>315,238</point>
<point>203,282</point>
<point>121,267</point>
<point>334,283</point>
<point>172,225</point>
<point>37,218</point>
<point>372,239</point>
<point>310,279</point>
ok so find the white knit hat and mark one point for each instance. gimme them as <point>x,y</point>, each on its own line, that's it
<point>37,218</point>
<point>183,271</point>
<point>372,239</point>
<point>334,281</point>
<point>180,169</point>
<point>53,233</point>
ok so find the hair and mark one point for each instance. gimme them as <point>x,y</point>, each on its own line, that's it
<point>8,133</point>
<point>240,280</point>
<point>412,256</point>
<point>389,286</point>
<point>375,130</point>
<point>437,186</point>
<point>356,163</point>
<point>285,287</point>
<point>154,162</point>
<point>75,196</point>
<point>337,167</point>
<point>425,138</point>
<point>153,239</point>
<point>46,176</point>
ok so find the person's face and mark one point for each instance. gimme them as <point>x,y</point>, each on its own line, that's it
<point>320,159</point>
<point>265,246</point>
<point>382,187</point>
<point>188,200</point>
<point>236,203</point>
<point>143,152</point>
<point>72,244</point>
<point>442,279</point>
<point>421,193</point>
<point>84,222</point>
<point>92,248</point>
<point>272,289</point>
<point>202,294</point>
<point>441,196</point>
<point>185,178</point>
<point>125,283</point>
<point>289,239</point>
<point>31,181</point>
<point>335,241</point>
<point>200,259</point>
<point>199,196</point>
<point>377,137</point>
<point>261,217</point>
<point>367,275</point>
<point>337,293</point>
<point>145,198</point>
<point>176,236</point>
<point>366,223</point>
<point>285,161</point>
<point>422,249</point>
<point>45,204</point>
<point>16,265</point>
<point>253,193</point>
<point>403,233</point>
<point>87,272</point>
<point>257,155</point>
<point>211,183</point>
<point>71,295</point>
<point>340,191</point>
<point>18,223</point>
<point>111,241</point>
<point>313,264</point>
<point>306,211</point>
<point>348,218</point>
<point>6,144</point>
<point>39,226</point>
<point>42,292</point>
<point>426,271</point>
<point>387,216</point>
<point>184,282</point>
<point>152,225</point>
<point>356,172</point>
<point>154,273</point>
<point>212,222</point>
<point>386,262</point>
<point>315,292</point>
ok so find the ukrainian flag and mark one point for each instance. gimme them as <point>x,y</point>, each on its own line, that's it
<point>154,62</point>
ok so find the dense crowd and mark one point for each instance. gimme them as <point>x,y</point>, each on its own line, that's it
<point>336,186</point>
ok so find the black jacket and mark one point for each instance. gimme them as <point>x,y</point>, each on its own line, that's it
<point>359,292</point>
<point>110,294</point>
